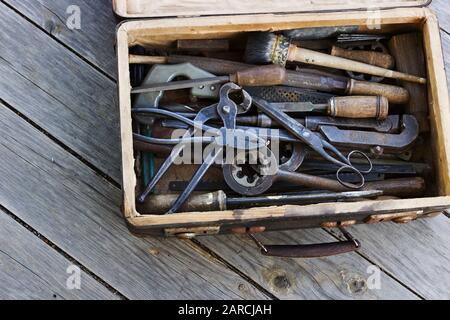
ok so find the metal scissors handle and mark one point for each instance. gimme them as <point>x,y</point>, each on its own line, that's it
<point>315,142</point>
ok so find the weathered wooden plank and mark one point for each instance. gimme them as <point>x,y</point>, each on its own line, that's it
<point>60,92</point>
<point>77,210</point>
<point>94,40</point>
<point>446,51</point>
<point>442,10</point>
<point>417,253</point>
<point>339,277</point>
<point>30,269</point>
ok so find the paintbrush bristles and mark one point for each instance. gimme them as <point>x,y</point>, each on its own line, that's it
<point>266,47</point>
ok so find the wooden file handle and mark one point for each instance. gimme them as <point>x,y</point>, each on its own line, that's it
<point>395,94</point>
<point>379,59</point>
<point>359,107</point>
<point>325,60</point>
<point>270,75</point>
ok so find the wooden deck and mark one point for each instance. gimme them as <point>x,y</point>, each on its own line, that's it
<point>60,192</point>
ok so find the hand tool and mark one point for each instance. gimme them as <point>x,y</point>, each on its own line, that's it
<point>355,37</point>
<point>227,110</point>
<point>409,52</point>
<point>402,168</point>
<point>256,76</point>
<point>373,57</point>
<point>342,107</point>
<point>316,33</point>
<point>288,94</point>
<point>311,139</point>
<point>301,79</point>
<point>356,107</point>
<point>161,73</point>
<point>205,45</point>
<point>277,187</point>
<point>219,201</point>
<point>267,47</point>
<point>377,56</point>
<point>363,139</point>
<point>269,171</point>
<point>395,134</point>
<point>165,73</point>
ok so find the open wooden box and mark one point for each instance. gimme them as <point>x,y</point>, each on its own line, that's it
<point>236,17</point>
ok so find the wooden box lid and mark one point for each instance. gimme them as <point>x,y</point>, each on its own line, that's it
<point>174,8</point>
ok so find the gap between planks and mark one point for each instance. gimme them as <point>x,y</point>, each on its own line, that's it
<point>112,79</point>
<point>107,74</point>
<point>370,260</point>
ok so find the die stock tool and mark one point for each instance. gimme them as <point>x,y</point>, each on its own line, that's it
<point>223,124</point>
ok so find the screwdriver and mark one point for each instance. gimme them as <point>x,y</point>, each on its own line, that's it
<point>355,107</point>
<point>213,201</point>
<point>270,75</point>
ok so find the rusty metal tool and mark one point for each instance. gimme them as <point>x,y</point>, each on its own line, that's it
<point>398,168</point>
<point>268,171</point>
<point>356,107</point>
<point>257,76</point>
<point>277,187</point>
<point>227,109</point>
<point>364,139</point>
<point>311,139</point>
<point>299,79</point>
<point>391,124</point>
<point>219,201</point>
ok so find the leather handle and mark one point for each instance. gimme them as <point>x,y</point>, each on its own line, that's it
<point>310,250</point>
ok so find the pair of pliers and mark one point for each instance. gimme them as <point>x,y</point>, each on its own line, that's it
<point>226,136</point>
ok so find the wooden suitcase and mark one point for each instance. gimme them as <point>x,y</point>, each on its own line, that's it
<point>162,22</point>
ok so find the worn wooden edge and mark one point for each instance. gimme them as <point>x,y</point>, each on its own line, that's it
<point>132,32</point>
<point>152,9</point>
<point>439,102</point>
<point>329,212</point>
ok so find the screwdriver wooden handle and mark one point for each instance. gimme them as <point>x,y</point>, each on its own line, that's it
<point>325,60</point>
<point>359,107</point>
<point>375,58</point>
<point>395,94</point>
<point>270,75</point>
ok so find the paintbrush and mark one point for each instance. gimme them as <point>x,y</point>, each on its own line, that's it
<point>266,47</point>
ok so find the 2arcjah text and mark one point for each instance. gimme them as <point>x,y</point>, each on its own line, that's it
<point>250,310</point>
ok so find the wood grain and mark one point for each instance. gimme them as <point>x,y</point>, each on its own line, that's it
<point>59,92</point>
<point>417,253</point>
<point>338,277</point>
<point>94,40</point>
<point>78,210</point>
<point>30,269</point>
<point>149,8</point>
<point>442,10</point>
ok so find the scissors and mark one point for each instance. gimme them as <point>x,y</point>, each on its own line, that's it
<point>316,143</point>
<point>226,136</point>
